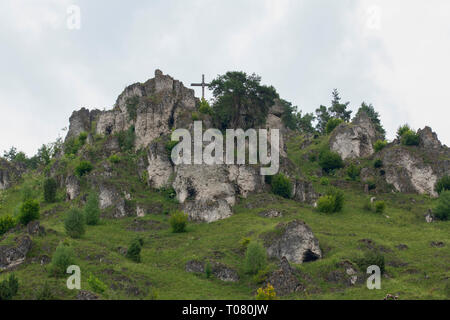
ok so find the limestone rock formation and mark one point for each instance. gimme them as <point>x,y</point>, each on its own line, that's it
<point>295,241</point>
<point>428,139</point>
<point>219,270</point>
<point>354,140</point>
<point>284,280</point>
<point>9,173</point>
<point>12,256</point>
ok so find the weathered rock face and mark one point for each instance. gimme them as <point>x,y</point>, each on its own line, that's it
<point>11,257</point>
<point>8,173</point>
<point>219,270</point>
<point>407,172</point>
<point>354,140</point>
<point>159,167</point>
<point>295,241</point>
<point>428,139</point>
<point>162,103</point>
<point>72,187</point>
<point>284,280</point>
<point>110,197</point>
<point>346,273</point>
<point>81,121</point>
<point>303,191</point>
<point>209,191</point>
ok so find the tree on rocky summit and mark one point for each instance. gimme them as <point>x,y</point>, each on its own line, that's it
<point>338,109</point>
<point>373,116</point>
<point>240,101</point>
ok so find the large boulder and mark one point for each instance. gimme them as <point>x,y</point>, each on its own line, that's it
<point>159,168</point>
<point>293,240</point>
<point>12,256</point>
<point>356,139</point>
<point>428,139</point>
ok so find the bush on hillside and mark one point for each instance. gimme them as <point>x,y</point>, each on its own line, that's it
<point>63,257</point>
<point>84,167</point>
<point>379,145</point>
<point>6,224</point>
<point>410,138</point>
<point>332,124</point>
<point>442,209</point>
<point>329,160</point>
<point>204,107</point>
<point>255,258</point>
<point>281,185</point>
<point>50,187</point>
<point>380,206</point>
<point>96,284</point>
<point>371,258</point>
<point>267,293</point>
<point>92,210</point>
<point>378,164</point>
<point>9,288</point>
<point>178,221</point>
<point>29,211</point>
<point>353,172</point>
<point>442,184</point>
<point>332,202</point>
<point>324,181</point>
<point>134,250</point>
<point>402,130</point>
<point>74,223</point>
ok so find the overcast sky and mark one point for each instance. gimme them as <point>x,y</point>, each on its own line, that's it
<point>393,54</point>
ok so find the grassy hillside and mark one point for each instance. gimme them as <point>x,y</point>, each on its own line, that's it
<point>419,272</point>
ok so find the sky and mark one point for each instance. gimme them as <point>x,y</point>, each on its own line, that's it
<point>393,54</point>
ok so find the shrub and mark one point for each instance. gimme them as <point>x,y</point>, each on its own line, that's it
<point>126,139</point>
<point>261,275</point>
<point>281,185</point>
<point>84,167</point>
<point>244,243</point>
<point>204,107</point>
<point>9,288</point>
<point>74,223</point>
<point>402,130</point>
<point>332,124</point>
<point>353,172</point>
<point>45,292</point>
<point>168,192</point>
<point>442,209</point>
<point>61,260</point>
<point>178,221</point>
<point>134,250</point>
<point>82,137</point>
<point>371,258</point>
<point>410,138</point>
<point>92,210</point>
<point>6,224</point>
<point>29,211</point>
<point>255,258</point>
<point>114,159</point>
<point>368,204</point>
<point>50,187</point>
<point>96,284</point>
<point>329,160</point>
<point>195,116</point>
<point>371,184</point>
<point>380,145</point>
<point>324,181</point>
<point>267,293</point>
<point>332,202</point>
<point>170,145</point>
<point>443,184</point>
<point>380,206</point>
<point>208,270</point>
<point>378,164</point>
<point>325,204</point>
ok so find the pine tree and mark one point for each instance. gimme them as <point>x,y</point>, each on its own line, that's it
<point>339,110</point>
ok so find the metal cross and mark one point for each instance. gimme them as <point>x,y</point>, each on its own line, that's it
<point>203,85</point>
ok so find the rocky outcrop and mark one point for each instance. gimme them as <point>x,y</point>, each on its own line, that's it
<point>284,280</point>
<point>303,191</point>
<point>35,229</point>
<point>159,168</point>
<point>293,240</point>
<point>111,198</point>
<point>346,273</point>
<point>12,256</point>
<point>354,140</point>
<point>428,139</point>
<point>72,187</point>
<point>81,121</point>
<point>407,172</point>
<point>219,270</point>
<point>9,173</point>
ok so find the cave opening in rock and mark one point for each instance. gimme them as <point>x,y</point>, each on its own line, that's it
<point>310,256</point>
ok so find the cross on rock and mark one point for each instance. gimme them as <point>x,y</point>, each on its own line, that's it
<point>203,85</point>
